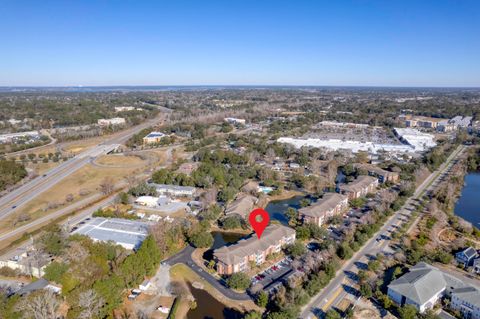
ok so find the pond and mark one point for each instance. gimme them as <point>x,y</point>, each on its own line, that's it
<point>277,208</point>
<point>468,205</point>
<point>209,307</point>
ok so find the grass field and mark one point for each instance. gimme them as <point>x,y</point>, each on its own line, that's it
<point>119,160</point>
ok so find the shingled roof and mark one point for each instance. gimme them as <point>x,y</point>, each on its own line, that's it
<point>423,282</point>
<point>237,252</point>
<point>359,184</point>
<point>328,202</point>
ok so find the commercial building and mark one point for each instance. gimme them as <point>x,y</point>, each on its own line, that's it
<point>455,123</point>
<point>237,257</point>
<point>422,121</point>
<point>235,121</point>
<point>359,187</point>
<point>112,121</point>
<point>242,205</point>
<point>13,137</point>
<point>347,145</point>
<point>382,175</point>
<point>467,302</point>
<point>30,262</point>
<point>419,141</point>
<point>127,233</point>
<point>422,287</point>
<point>174,190</point>
<point>153,137</point>
<point>124,108</point>
<point>329,205</point>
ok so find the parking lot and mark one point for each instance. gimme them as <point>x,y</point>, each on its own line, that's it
<point>273,274</point>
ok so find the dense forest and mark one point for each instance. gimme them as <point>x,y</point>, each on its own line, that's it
<point>10,173</point>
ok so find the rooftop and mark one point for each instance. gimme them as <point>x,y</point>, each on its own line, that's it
<point>328,202</point>
<point>245,247</point>
<point>128,233</point>
<point>358,184</point>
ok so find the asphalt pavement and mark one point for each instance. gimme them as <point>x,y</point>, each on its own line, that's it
<point>345,279</point>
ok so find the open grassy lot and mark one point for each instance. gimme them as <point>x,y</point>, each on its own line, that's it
<point>120,160</point>
<point>86,181</point>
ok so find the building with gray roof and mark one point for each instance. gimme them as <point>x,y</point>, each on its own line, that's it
<point>422,287</point>
<point>236,257</point>
<point>467,302</point>
<point>329,205</point>
<point>127,233</point>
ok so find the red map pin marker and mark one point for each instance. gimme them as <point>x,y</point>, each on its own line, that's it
<point>259,219</point>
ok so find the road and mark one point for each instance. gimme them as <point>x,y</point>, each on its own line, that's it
<point>12,201</point>
<point>185,257</point>
<point>345,280</point>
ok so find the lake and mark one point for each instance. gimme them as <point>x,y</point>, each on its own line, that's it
<point>468,205</point>
<point>277,208</point>
<point>209,307</point>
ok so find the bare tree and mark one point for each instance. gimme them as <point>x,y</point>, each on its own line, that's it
<point>107,186</point>
<point>39,305</point>
<point>75,252</point>
<point>91,303</point>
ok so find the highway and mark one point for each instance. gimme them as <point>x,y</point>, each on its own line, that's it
<point>345,280</point>
<point>12,201</point>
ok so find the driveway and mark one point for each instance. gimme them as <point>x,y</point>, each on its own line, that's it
<point>185,257</point>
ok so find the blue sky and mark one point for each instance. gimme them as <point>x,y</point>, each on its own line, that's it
<point>385,43</point>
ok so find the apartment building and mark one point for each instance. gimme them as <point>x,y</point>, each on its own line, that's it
<point>329,205</point>
<point>237,257</point>
<point>467,301</point>
<point>359,187</point>
<point>422,121</point>
<point>383,176</point>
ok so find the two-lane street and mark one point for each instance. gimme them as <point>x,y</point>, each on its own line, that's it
<point>336,290</point>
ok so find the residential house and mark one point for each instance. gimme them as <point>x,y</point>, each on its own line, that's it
<point>359,187</point>
<point>476,266</point>
<point>466,256</point>
<point>467,301</point>
<point>237,257</point>
<point>329,205</point>
<point>422,287</point>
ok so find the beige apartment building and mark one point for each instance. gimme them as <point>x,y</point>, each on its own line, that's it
<point>237,257</point>
<point>329,205</point>
<point>359,187</point>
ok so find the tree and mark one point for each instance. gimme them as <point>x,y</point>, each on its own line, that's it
<point>292,215</point>
<point>107,186</point>
<point>333,314</point>
<point>91,303</point>
<point>366,290</point>
<point>202,240</point>
<point>238,281</point>
<point>42,304</point>
<point>408,312</point>
<point>55,270</point>
<point>262,299</point>
<point>253,315</point>
<point>296,249</point>
<point>123,198</point>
